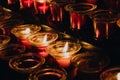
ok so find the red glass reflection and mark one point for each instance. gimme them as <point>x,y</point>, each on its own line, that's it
<point>76,20</point>
<point>25,43</point>
<point>26,3</point>
<point>41,6</point>
<point>57,13</point>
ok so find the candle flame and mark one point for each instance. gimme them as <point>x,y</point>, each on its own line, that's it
<point>65,50</point>
<point>118,76</point>
<point>45,39</point>
<point>26,31</point>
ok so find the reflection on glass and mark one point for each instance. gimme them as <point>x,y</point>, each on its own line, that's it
<point>42,39</point>
<point>63,50</point>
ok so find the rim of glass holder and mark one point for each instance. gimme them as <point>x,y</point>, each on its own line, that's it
<point>61,73</point>
<point>16,61</point>
<point>33,29</point>
<point>83,61</point>
<point>52,36</point>
<point>4,39</point>
<point>110,73</point>
<point>82,8</point>
<point>104,15</point>
<point>59,53</point>
<point>11,50</point>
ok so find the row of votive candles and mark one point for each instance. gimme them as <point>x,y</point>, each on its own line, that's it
<point>63,51</point>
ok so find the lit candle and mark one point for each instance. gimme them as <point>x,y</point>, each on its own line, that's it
<point>65,60</point>
<point>41,6</point>
<point>41,40</point>
<point>23,31</point>
<point>62,51</point>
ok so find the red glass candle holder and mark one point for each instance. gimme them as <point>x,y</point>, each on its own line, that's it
<point>42,40</point>
<point>26,3</point>
<point>79,14</point>
<point>41,6</point>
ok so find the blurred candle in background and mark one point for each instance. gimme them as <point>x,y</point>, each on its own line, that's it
<point>41,6</point>
<point>76,20</point>
<point>79,14</point>
<point>9,1</point>
<point>56,11</point>
<point>26,3</point>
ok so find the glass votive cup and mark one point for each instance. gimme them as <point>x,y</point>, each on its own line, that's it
<point>88,65</point>
<point>62,51</point>
<point>26,63</point>
<point>48,73</point>
<point>4,40</point>
<point>25,30</point>
<point>111,74</point>
<point>104,22</point>
<point>42,39</point>
<point>90,61</point>
<point>79,14</point>
<point>11,50</point>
